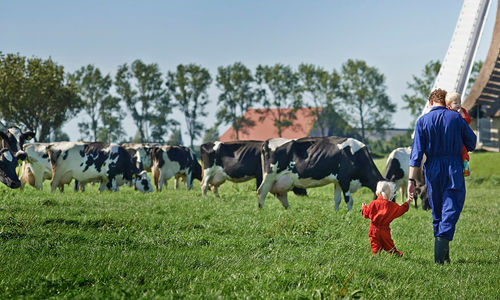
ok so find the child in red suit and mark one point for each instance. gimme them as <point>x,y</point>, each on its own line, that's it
<point>453,103</point>
<point>381,212</point>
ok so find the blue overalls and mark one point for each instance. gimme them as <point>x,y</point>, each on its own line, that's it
<point>440,135</point>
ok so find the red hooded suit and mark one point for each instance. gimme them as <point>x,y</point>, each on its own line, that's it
<point>381,213</point>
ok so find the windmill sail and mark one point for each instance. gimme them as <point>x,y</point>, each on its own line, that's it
<point>459,58</point>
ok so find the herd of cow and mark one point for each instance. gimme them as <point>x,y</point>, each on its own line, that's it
<point>279,165</point>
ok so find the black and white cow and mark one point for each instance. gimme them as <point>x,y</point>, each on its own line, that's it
<point>8,164</point>
<point>317,161</point>
<point>141,154</point>
<point>174,161</point>
<point>397,169</point>
<point>90,162</point>
<point>11,150</point>
<point>36,168</point>
<point>236,161</point>
<point>13,138</point>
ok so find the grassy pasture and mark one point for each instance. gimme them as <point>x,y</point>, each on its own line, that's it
<point>176,244</point>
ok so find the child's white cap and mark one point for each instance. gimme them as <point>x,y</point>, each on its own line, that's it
<point>386,189</point>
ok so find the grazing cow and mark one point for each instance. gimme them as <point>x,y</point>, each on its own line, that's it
<point>36,168</point>
<point>396,170</point>
<point>317,161</point>
<point>141,154</point>
<point>174,161</point>
<point>8,164</point>
<point>11,150</point>
<point>89,162</point>
<point>13,138</point>
<point>236,161</point>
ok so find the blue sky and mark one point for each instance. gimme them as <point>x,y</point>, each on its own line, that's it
<point>397,37</point>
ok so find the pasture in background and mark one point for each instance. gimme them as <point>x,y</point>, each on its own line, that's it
<point>179,244</point>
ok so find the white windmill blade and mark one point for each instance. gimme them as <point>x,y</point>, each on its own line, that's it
<point>458,61</point>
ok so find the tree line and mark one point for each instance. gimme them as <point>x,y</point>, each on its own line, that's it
<point>39,95</point>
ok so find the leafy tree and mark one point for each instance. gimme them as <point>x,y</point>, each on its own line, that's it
<point>99,105</point>
<point>59,135</point>
<point>238,95</point>
<point>112,117</point>
<point>159,124</point>
<point>141,87</point>
<point>211,134</point>
<point>35,94</point>
<point>380,146</point>
<point>175,138</point>
<point>335,124</point>
<point>421,88</point>
<point>188,85</point>
<point>283,84</point>
<point>320,87</point>
<point>364,92</point>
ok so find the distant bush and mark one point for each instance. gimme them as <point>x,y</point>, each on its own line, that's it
<point>381,147</point>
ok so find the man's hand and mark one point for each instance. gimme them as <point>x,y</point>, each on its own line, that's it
<point>411,190</point>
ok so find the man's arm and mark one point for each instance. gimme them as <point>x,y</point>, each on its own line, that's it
<point>417,148</point>
<point>412,184</point>
<point>416,156</point>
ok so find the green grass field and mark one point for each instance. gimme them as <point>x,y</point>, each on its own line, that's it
<point>176,244</point>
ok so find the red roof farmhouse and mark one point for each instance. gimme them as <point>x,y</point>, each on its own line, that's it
<point>264,125</point>
<point>303,125</point>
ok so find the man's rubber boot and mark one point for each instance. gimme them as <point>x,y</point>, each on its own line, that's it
<point>440,247</point>
<point>447,255</point>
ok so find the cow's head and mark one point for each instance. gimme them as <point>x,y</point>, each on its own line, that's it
<point>422,193</point>
<point>142,182</point>
<point>365,169</point>
<point>133,155</point>
<point>421,189</point>
<point>207,153</point>
<point>8,164</point>
<point>14,139</point>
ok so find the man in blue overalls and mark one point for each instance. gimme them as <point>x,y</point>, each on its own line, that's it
<point>440,135</point>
